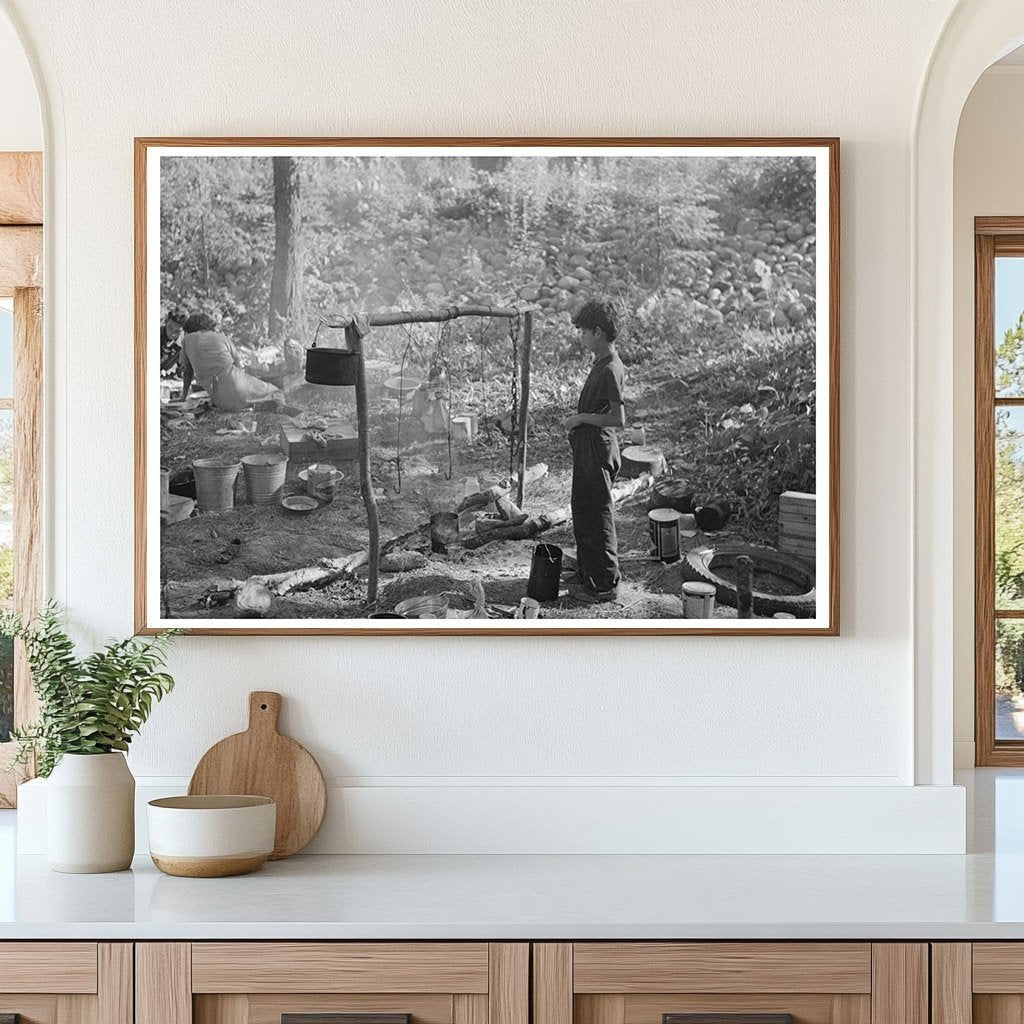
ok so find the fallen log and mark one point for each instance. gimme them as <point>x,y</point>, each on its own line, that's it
<point>311,577</point>
<point>402,561</point>
<point>559,516</point>
<point>501,490</point>
<point>485,525</point>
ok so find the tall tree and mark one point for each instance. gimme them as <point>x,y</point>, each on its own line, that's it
<point>286,281</point>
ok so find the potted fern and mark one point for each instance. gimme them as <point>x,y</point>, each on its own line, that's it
<point>89,710</point>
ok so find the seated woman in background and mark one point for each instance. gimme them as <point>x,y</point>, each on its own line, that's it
<point>170,340</point>
<point>212,359</point>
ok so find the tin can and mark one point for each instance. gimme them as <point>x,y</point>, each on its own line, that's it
<point>665,531</point>
<point>321,481</point>
<point>636,434</point>
<point>698,600</point>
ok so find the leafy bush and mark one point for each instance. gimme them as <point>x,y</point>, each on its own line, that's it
<point>88,705</point>
<point>1009,656</point>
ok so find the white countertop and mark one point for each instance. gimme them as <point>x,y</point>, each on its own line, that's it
<point>517,897</point>
<point>980,895</point>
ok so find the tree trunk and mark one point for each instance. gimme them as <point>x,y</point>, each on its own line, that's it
<point>287,277</point>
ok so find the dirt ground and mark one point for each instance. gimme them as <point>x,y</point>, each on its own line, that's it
<point>210,547</point>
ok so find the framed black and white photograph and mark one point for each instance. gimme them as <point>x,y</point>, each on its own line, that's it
<point>447,386</point>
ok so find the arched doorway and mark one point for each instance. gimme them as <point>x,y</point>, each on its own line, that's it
<point>976,34</point>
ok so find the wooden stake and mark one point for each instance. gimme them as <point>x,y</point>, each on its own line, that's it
<point>744,587</point>
<point>355,343</point>
<point>524,403</point>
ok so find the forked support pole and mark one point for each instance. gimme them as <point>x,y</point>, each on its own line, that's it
<point>524,404</point>
<point>355,343</point>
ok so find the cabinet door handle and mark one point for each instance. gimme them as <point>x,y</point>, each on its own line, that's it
<point>727,1018</point>
<point>338,1018</point>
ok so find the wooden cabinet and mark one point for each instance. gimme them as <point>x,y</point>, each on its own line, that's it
<point>66,982</point>
<point>310,982</point>
<point>755,982</point>
<point>978,983</point>
<point>512,983</point>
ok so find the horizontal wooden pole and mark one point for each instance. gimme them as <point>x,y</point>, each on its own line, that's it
<point>420,316</point>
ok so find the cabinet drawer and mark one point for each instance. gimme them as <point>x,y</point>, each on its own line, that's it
<point>65,967</point>
<point>752,967</point>
<point>980,982</point>
<point>730,983</point>
<point>66,982</point>
<point>332,983</point>
<point>340,967</point>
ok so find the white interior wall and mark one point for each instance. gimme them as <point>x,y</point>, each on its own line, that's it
<point>433,715</point>
<point>987,182</point>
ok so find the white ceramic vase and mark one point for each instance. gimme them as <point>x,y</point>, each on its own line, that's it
<point>90,814</point>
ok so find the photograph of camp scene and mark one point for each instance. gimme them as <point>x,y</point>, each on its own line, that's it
<point>590,379</point>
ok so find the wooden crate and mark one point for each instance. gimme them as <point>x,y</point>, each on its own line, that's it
<point>797,524</point>
<point>301,449</point>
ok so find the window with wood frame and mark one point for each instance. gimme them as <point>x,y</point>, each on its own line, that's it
<point>999,490</point>
<point>21,364</point>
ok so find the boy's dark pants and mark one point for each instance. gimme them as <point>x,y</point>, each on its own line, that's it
<point>595,464</point>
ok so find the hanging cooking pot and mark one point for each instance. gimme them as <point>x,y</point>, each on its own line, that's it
<point>337,367</point>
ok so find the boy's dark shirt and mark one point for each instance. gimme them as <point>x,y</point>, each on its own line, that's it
<point>603,388</point>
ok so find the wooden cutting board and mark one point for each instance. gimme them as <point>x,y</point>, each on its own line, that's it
<point>262,762</point>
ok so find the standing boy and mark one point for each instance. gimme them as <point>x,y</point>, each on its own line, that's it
<point>595,454</point>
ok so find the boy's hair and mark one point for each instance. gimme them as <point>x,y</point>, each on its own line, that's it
<point>179,316</point>
<point>199,322</point>
<point>598,313</point>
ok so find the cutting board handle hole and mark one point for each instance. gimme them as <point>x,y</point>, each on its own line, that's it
<point>263,707</point>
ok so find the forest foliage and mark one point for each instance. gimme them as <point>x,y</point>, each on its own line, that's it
<point>1009,506</point>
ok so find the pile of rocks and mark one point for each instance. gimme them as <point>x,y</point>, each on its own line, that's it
<point>761,273</point>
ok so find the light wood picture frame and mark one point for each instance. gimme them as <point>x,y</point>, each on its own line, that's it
<point>403,251</point>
